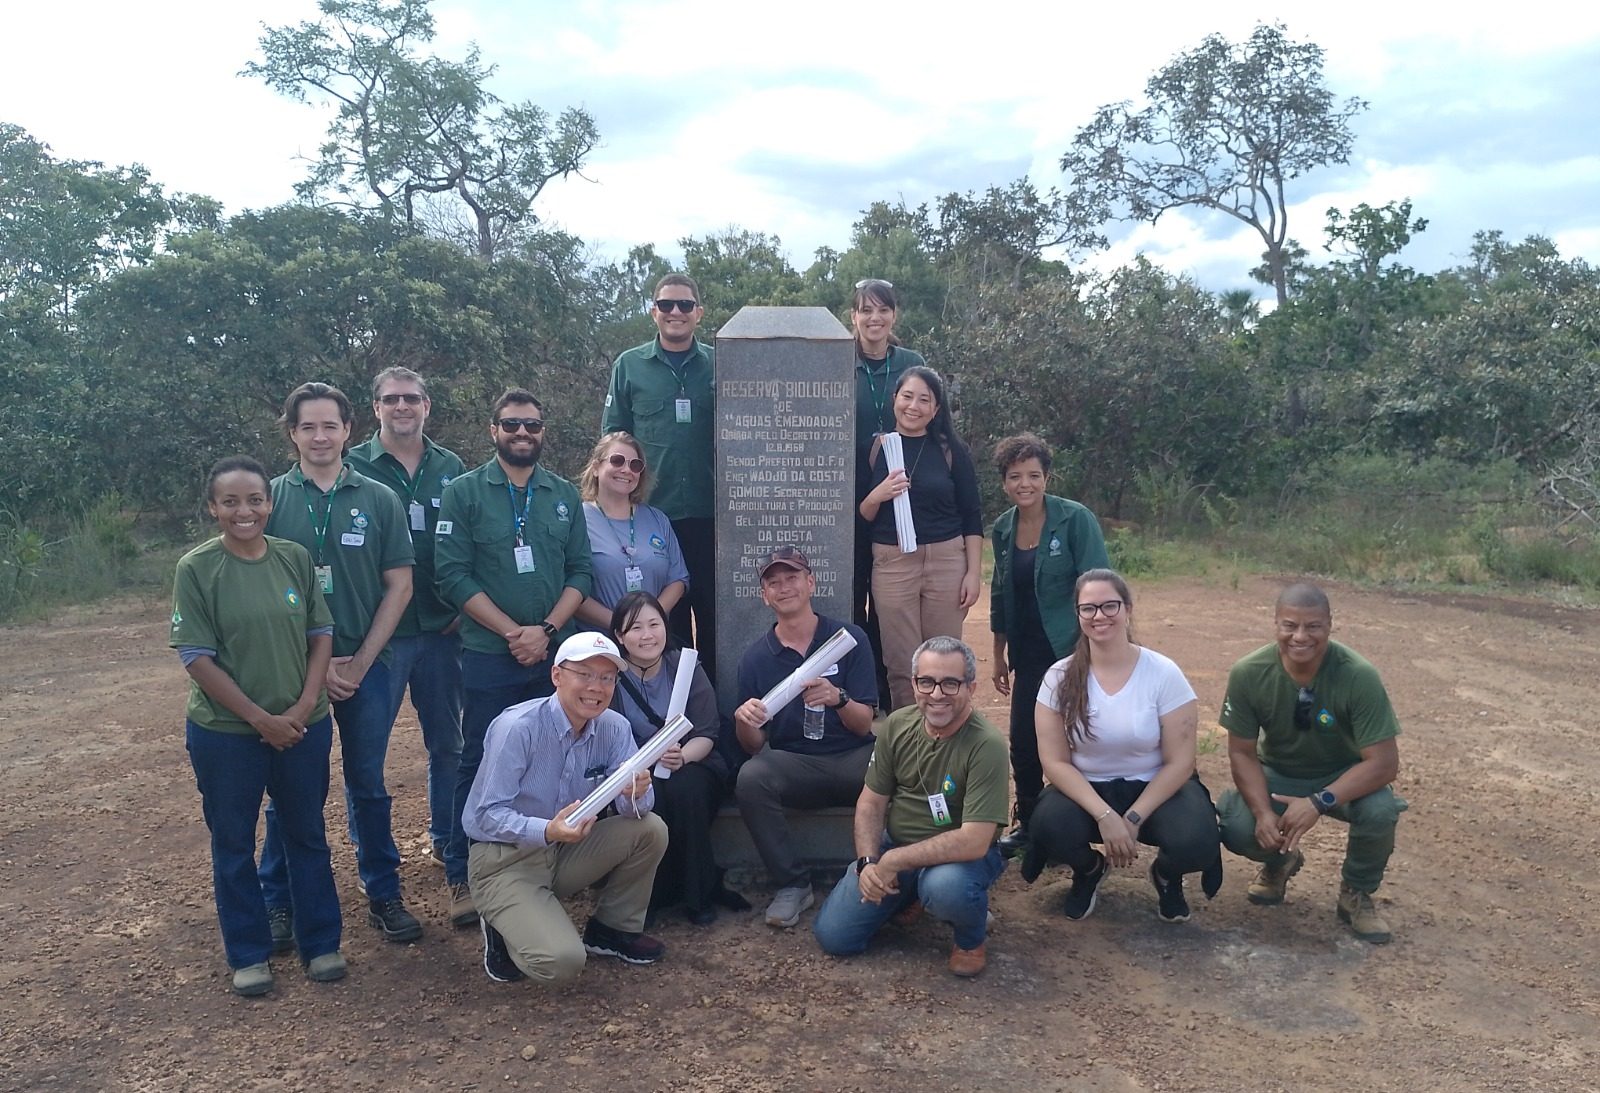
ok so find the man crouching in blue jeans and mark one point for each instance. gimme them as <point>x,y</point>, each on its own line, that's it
<point>937,784</point>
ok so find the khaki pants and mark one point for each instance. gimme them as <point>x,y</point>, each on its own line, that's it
<point>518,890</point>
<point>918,597</point>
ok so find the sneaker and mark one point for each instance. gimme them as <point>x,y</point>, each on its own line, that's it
<point>968,962</point>
<point>602,940</point>
<point>252,980</point>
<point>463,912</point>
<point>1085,890</point>
<point>391,916</point>
<point>1013,842</point>
<point>908,914</point>
<point>497,962</point>
<point>327,967</point>
<point>1172,907</point>
<point>785,908</point>
<point>1273,880</point>
<point>280,920</point>
<point>1365,922</point>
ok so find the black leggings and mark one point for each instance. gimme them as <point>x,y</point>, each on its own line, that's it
<point>1026,771</point>
<point>1183,829</point>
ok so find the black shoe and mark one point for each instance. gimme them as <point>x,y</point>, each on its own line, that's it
<point>729,900</point>
<point>1013,842</point>
<point>1085,890</point>
<point>702,916</point>
<point>391,916</point>
<point>497,962</point>
<point>1173,907</point>
<point>602,940</point>
<point>280,920</point>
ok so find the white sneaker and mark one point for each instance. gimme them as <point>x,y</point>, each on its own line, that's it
<point>785,908</point>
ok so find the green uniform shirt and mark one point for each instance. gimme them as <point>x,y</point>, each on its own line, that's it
<point>875,396</point>
<point>970,769</point>
<point>476,548</point>
<point>255,614</point>
<point>1351,712</point>
<point>643,399</point>
<point>1070,545</point>
<point>366,534</point>
<point>426,613</point>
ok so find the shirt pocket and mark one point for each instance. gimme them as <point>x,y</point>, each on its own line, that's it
<point>651,409</point>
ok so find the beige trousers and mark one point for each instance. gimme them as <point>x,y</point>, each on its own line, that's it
<point>518,890</point>
<point>918,597</point>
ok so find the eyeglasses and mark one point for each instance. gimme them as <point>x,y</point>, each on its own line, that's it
<point>1110,609</point>
<point>589,679</point>
<point>532,425</point>
<point>616,459</point>
<point>926,684</point>
<point>410,398</point>
<point>1305,706</point>
<point>865,281</point>
<point>685,306</point>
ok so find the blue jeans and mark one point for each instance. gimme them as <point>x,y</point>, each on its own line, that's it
<point>232,772</point>
<point>364,722</point>
<point>431,664</point>
<point>490,682</point>
<point>957,892</point>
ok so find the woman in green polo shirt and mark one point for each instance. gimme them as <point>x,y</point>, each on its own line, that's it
<point>255,636</point>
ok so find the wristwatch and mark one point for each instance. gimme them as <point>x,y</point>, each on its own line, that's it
<point>864,861</point>
<point>549,629</point>
<point>1133,817</point>
<point>1324,800</point>
<point>844,699</point>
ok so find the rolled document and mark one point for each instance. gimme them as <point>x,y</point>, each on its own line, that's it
<point>679,702</point>
<point>831,652</point>
<point>669,734</point>
<point>895,459</point>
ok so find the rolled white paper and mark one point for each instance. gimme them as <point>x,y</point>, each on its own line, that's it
<point>679,702</point>
<point>895,459</point>
<point>669,734</point>
<point>830,653</point>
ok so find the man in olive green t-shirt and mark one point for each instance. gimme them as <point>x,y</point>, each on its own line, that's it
<point>937,786</point>
<point>1311,733</point>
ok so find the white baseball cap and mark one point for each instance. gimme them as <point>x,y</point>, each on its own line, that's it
<point>591,644</point>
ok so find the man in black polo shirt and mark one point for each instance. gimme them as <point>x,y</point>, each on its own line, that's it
<point>813,753</point>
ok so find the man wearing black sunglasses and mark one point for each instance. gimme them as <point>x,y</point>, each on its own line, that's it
<point>512,554</point>
<point>663,393</point>
<point>1311,733</point>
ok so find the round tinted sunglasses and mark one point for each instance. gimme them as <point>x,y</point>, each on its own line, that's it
<point>635,465</point>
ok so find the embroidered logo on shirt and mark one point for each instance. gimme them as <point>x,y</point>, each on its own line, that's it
<point>562,512</point>
<point>291,597</point>
<point>177,618</point>
<point>1055,547</point>
<point>948,786</point>
<point>658,542</point>
<point>360,520</point>
<point>443,527</point>
<point>443,482</point>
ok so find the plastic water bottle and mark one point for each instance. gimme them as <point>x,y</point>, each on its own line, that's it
<point>811,727</point>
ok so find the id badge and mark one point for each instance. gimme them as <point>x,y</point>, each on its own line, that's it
<point>325,579</point>
<point>940,810</point>
<point>353,538</point>
<point>419,517</point>
<point>683,411</point>
<point>635,578</point>
<point>524,557</point>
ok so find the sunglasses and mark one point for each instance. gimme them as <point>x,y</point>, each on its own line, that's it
<point>1110,609</point>
<point>532,425</point>
<point>1305,708</point>
<point>926,684</point>
<point>618,460</point>
<point>410,398</point>
<point>685,306</point>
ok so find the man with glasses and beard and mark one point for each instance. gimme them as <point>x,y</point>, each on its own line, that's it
<point>1311,733</point>
<point>928,816</point>
<point>512,555</point>
<point>662,393</point>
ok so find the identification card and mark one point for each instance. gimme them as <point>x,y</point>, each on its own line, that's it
<point>419,517</point>
<point>524,557</point>
<point>683,411</point>
<point>353,538</point>
<point>940,810</point>
<point>325,579</point>
<point>635,578</point>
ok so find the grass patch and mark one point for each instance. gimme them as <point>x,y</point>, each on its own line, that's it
<point>89,557</point>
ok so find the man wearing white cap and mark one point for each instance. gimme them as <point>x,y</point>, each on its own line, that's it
<point>540,759</point>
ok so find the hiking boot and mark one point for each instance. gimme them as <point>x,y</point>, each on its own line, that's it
<point>327,967</point>
<point>1013,842</point>
<point>1365,922</point>
<point>602,940</point>
<point>497,962</point>
<point>252,980</point>
<point>1270,883</point>
<point>280,920</point>
<point>463,912</point>
<point>908,914</point>
<point>1085,890</point>
<point>1171,906</point>
<point>968,962</point>
<point>785,908</point>
<point>391,916</point>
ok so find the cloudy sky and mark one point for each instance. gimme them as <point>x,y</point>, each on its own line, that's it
<point>791,118</point>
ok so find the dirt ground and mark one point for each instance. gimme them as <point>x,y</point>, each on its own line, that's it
<point>112,974</point>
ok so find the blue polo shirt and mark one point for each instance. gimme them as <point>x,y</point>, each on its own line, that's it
<point>769,662</point>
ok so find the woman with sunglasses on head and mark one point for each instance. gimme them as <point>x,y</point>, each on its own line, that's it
<point>1116,726</point>
<point>632,544</point>
<point>686,800</point>
<point>1041,544</point>
<point>926,593</point>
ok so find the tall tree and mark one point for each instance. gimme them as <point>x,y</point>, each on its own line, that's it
<point>1226,127</point>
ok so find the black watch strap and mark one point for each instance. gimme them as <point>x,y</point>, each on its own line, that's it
<point>844,699</point>
<point>548,627</point>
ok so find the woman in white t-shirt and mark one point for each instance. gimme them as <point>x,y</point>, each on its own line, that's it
<point>1116,727</point>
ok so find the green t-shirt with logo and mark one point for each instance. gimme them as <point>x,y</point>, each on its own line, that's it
<point>255,614</point>
<point>970,768</point>
<point>365,535</point>
<point>1351,712</point>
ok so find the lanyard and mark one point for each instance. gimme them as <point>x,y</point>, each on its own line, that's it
<point>415,484</point>
<point>879,398</point>
<point>679,372</point>
<point>320,535</point>
<point>628,553</point>
<point>518,519</point>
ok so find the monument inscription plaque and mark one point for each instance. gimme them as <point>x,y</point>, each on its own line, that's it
<point>785,469</point>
